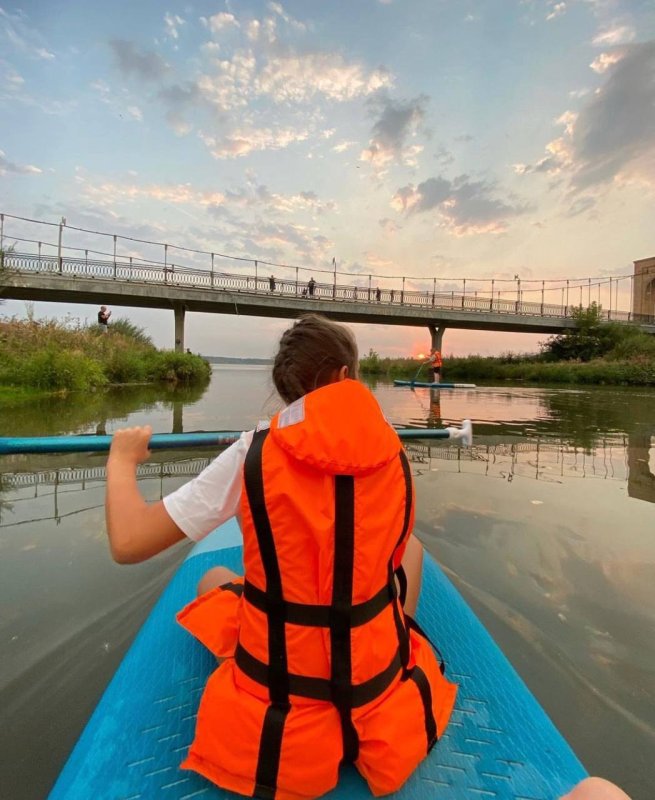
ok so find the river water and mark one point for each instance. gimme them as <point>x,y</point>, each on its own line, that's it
<point>547,526</point>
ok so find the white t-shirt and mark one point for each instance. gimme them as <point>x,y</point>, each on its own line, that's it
<point>211,498</point>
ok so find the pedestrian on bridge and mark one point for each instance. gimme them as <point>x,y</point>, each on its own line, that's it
<point>271,283</point>
<point>378,294</point>
<point>310,287</point>
<point>103,318</point>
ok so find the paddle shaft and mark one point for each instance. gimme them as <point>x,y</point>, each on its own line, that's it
<point>164,441</point>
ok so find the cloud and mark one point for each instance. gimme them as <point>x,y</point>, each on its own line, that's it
<point>557,9</point>
<point>604,61</point>
<point>17,169</point>
<point>219,22</point>
<point>107,193</point>
<point>254,197</point>
<point>376,261</point>
<point>398,121</point>
<point>178,99</point>
<point>258,195</point>
<point>615,131</point>
<point>147,66</point>
<point>462,205</point>
<point>276,8</point>
<point>298,78</point>
<point>257,70</point>
<point>21,37</point>
<point>619,34</point>
<point>11,81</point>
<point>135,112</point>
<point>389,225</point>
<point>276,239</point>
<point>612,138</point>
<point>243,141</point>
<point>344,145</point>
<point>173,23</point>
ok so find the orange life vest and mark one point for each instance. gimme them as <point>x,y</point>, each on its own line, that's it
<point>435,359</point>
<point>325,657</point>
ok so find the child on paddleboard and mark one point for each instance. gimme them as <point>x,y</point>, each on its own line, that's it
<point>321,656</point>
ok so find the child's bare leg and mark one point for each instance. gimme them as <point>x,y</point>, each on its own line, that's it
<point>214,577</point>
<point>595,789</point>
<point>413,565</point>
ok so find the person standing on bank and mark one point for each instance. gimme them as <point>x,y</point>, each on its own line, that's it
<point>103,318</point>
<point>319,651</point>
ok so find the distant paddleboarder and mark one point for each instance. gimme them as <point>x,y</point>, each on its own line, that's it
<point>436,362</point>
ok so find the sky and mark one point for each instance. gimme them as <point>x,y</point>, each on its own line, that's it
<point>441,139</point>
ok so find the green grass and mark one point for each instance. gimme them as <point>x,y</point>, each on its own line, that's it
<point>56,356</point>
<point>593,352</point>
<point>530,369</point>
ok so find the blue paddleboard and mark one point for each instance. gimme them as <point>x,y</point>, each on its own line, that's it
<point>435,385</point>
<point>499,745</point>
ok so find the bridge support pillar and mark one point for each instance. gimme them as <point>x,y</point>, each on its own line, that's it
<point>436,336</point>
<point>179,312</point>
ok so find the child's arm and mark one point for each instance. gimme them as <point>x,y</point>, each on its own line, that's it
<point>137,530</point>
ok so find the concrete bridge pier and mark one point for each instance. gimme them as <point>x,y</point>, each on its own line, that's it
<point>179,310</point>
<point>436,336</point>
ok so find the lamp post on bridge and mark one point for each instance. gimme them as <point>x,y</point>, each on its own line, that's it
<point>59,256</point>
<point>334,285</point>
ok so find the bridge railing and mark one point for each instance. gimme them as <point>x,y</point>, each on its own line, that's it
<point>130,271</point>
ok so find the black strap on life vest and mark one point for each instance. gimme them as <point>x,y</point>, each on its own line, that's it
<point>419,677</point>
<point>404,622</point>
<point>401,630</point>
<point>341,682</point>
<point>270,744</point>
<point>320,688</point>
<point>235,588</point>
<point>318,616</point>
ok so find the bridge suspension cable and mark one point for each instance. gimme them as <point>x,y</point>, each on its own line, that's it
<point>281,265</point>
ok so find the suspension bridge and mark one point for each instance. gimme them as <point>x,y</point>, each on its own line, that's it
<point>141,273</point>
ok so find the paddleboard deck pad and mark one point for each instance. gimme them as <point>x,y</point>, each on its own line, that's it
<point>499,743</point>
<point>424,384</point>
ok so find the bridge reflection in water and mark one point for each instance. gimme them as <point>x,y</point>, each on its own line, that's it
<point>623,458</point>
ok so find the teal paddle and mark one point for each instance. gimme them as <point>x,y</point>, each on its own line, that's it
<point>165,441</point>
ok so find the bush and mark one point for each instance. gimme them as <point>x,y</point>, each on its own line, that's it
<point>58,370</point>
<point>128,330</point>
<point>167,365</point>
<point>52,355</point>
<point>125,366</point>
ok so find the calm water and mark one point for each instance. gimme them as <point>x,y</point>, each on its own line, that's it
<point>547,526</point>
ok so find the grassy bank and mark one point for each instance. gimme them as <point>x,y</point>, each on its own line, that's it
<point>508,368</point>
<point>592,353</point>
<point>55,356</point>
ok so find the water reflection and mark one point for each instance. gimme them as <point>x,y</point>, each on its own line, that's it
<point>91,413</point>
<point>546,525</point>
<point>641,480</point>
<point>623,459</point>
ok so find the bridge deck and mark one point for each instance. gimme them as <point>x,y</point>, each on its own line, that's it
<point>27,277</point>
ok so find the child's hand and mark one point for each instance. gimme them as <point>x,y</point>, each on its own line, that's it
<point>130,445</point>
